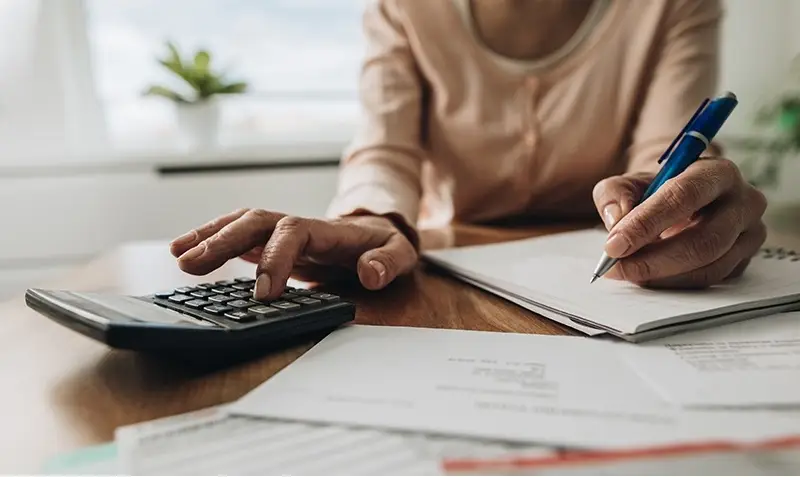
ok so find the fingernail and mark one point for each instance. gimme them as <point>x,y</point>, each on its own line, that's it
<point>193,253</point>
<point>380,269</point>
<point>617,245</point>
<point>263,286</point>
<point>611,214</point>
<point>185,238</point>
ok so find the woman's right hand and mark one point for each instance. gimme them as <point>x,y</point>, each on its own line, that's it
<point>370,247</point>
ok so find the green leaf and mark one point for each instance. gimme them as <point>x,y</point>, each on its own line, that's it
<point>202,60</point>
<point>233,88</point>
<point>788,119</point>
<point>166,93</point>
<point>174,55</point>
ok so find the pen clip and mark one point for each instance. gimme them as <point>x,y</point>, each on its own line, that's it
<point>689,124</point>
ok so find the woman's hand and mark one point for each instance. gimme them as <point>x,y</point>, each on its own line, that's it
<point>697,230</point>
<point>308,249</point>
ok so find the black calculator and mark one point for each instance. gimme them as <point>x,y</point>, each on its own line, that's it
<point>220,316</point>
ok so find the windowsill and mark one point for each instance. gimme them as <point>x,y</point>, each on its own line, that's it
<point>171,157</point>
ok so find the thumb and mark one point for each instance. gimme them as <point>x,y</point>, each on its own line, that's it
<point>615,196</point>
<point>379,266</point>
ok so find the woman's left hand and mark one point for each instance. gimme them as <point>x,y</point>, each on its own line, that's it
<point>697,230</point>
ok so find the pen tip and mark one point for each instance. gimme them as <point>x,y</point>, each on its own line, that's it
<point>594,279</point>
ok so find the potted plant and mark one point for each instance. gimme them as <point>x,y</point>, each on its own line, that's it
<point>766,155</point>
<point>198,108</point>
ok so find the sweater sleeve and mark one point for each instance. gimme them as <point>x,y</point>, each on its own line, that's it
<point>685,73</point>
<point>380,172</point>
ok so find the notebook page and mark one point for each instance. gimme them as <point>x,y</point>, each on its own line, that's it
<point>555,271</point>
<point>562,282</point>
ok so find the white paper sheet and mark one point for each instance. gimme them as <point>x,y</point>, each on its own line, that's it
<point>553,390</point>
<point>745,364</point>
<point>210,442</point>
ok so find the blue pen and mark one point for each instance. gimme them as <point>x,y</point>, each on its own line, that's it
<point>684,150</point>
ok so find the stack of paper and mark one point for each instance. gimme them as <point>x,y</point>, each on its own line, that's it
<point>779,457</point>
<point>549,390</point>
<point>212,442</point>
<point>373,400</point>
<point>550,276</point>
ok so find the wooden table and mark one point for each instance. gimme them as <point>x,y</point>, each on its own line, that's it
<point>62,391</point>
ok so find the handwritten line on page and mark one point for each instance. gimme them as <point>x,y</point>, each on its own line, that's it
<point>212,442</point>
<point>548,390</point>
<point>754,363</point>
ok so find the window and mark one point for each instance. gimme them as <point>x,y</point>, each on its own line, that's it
<point>300,57</point>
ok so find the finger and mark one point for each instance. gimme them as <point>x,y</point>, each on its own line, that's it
<point>729,265</point>
<point>616,196</point>
<point>700,244</point>
<point>191,239</point>
<point>253,255</point>
<point>290,237</point>
<point>326,242</point>
<point>380,266</point>
<point>676,201</point>
<point>739,269</point>
<point>231,241</point>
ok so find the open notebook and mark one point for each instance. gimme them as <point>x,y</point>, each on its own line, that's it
<point>550,276</point>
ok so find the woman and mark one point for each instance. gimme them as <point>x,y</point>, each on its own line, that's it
<point>476,110</point>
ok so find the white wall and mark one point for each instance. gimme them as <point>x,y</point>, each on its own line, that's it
<point>759,39</point>
<point>52,222</point>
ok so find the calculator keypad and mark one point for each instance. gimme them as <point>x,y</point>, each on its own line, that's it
<point>179,298</point>
<point>233,300</point>
<point>217,309</point>
<point>198,303</point>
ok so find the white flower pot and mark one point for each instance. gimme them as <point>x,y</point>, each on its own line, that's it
<point>198,123</point>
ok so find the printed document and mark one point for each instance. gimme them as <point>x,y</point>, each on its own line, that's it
<point>753,363</point>
<point>548,390</point>
<point>211,442</point>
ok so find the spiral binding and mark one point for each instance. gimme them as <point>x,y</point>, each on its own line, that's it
<point>780,254</point>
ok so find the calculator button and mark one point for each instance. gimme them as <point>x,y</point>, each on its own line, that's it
<point>240,315</point>
<point>164,294</point>
<point>198,303</point>
<point>185,290</point>
<point>264,310</point>
<point>244,280</point>
<point>285,305</point>
<point>239,304</point>
<point>201,294</point>
<point>244,295</point>
<point>302,292</point>
<point>242,286</point>
<point>179,298</point>
<point>205,286</point>
<point>325,296</point>
<point>223,290</point>
<point>220,298</point>
<point>304,300</point>
<point>288,296</point>
<point>225,283</point>
<point>217,309</point>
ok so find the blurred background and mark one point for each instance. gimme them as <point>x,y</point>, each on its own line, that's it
<point>100,143</point>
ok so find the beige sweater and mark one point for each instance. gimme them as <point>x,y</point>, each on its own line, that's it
<point>459,133</point>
